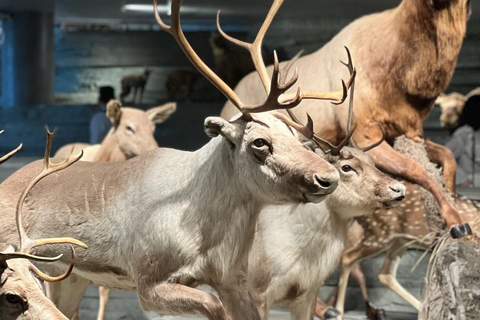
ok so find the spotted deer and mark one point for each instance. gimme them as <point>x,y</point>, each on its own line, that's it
<point>135,82</point>
<point>131,134</point>
<point>292,270</point>
<point>21,294</point>
<point>397,87</point>
<point>392,231</point>
<point>167,221</point>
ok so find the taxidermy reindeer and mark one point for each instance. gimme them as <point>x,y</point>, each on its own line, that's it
<point>131,134</point>
<point>392,231</point>
<point>452,106</point>
<point>135,82</point>
<point>166,221</point>
<point>21,294</point>
<point>313,235</point>
<point>397,86</point>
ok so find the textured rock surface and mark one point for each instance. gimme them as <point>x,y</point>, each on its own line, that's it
<point>453,290</point>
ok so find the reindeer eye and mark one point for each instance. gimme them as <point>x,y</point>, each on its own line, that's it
<point>346,168</point>
<point>260,143</point>
<point>130,129</point>
<point>13,298</point>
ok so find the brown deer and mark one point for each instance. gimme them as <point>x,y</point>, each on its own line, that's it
<point>391,231</point>
<point>131,134</point>
<point>313,235</point>
<point>135,82</point>
<point>452,106</point>
<point>167,221</point>
<point>21,294</point>
<point>398,85</point>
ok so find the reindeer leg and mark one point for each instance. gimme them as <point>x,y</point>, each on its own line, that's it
<point>236,298</point>
<point>443,157</point>
<point>371,311</point>
<point>396,164</point>
<point>304,306</point>
<point>324,311</point>
<point>388,273</point>
<point>103,294</point>
<point>176,299</point>
<point>67,294</point>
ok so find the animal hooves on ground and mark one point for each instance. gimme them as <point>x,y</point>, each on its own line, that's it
<point>468,229</point>
<point>373,313</point>
<point>331,313</point>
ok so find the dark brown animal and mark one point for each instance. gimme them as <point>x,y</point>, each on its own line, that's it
<point>135,82</point>
<point>181,78</point>
<point>397,85</point>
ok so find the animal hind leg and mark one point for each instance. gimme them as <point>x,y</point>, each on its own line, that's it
<point>103,294</point>
<point>304,306</point>
<point>176,299</point>
<point>371,311</point>
<point>67,294</point>
<point>394,163</point>
<point>388,273</point>
<point>443,157</point>
<point>325,311</point>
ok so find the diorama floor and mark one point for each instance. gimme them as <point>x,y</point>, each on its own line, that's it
<point>124,306</point>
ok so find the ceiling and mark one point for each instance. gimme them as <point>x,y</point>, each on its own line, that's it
<point>239,11</point>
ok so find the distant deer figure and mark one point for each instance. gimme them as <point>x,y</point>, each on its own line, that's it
<point>391,231</point>
<point>134,81</point>
<point>179,78</point>
<point>452,106</point>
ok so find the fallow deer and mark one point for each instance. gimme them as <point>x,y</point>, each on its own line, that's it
<point>21,294</point>
<point>398,85</point>
<point>393,231</point>
<point>452,106</point>
<point>135,82</point>
<point>313,235</point>
<point>166,221</point>
<point>131,134</point>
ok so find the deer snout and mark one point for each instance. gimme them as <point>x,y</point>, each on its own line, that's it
<point>397,191</point>
<point>326,183</point>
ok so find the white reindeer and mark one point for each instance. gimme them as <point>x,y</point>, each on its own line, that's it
<point>166,221</point>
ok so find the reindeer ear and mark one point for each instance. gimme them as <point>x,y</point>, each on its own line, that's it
<point>215,126</point>
<point>162,113</point>
<point>114,111</point>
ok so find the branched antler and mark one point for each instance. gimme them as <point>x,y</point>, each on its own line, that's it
<point>27,244</point>
<point>11,153</point>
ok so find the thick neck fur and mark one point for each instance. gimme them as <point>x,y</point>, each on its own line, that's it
<point>431,39</point>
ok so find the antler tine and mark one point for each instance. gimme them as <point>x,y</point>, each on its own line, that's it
<point>11,153</point>
<point>286,69</point>
<point>26,244</point>
<point>376,144</point>
<point>352,71</point>
<point>255,48</point>
<point>306,131</point>
<point>65,275</point>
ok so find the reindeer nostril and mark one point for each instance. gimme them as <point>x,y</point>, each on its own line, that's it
<point>400,198</point>
<point>396,190</point>
<point>323,183</point>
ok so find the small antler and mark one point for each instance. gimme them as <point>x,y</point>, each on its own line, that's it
<point>376,144</point>
<point>11,153</point>
<point>27,244</point>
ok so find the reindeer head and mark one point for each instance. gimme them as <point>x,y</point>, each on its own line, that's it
<point>451,105</point>
<point>21,293</point>
<point>276,164</point>
<point>133,129</point>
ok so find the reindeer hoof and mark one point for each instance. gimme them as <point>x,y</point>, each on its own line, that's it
<point>331,313</point>
<point>457,232</point>
<point>468,229</point>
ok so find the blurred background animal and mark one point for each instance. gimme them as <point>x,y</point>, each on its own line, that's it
<point>137,82</point>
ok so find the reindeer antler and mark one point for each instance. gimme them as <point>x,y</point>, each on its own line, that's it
<point>27,244</point>
<point>11,153</point>
<point>276,97</point>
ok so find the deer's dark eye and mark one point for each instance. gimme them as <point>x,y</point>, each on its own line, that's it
<point>129,128</point>
<point>260,143</point>
<point>346,168</point>
<point>13,298</point>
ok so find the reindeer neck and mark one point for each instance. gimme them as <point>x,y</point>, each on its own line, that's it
<point>109,151</point>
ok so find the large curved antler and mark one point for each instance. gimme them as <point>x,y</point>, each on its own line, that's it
<point>27,244</point>
<point>276,96</point>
